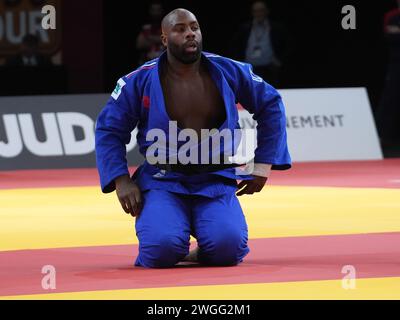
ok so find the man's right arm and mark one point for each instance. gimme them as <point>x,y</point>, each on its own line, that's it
<point>113,132</point>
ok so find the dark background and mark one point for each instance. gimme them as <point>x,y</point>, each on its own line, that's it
<point>323,55</point>
<point>99,36</point>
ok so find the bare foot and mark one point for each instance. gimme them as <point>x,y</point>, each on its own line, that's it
<point>192,256</point>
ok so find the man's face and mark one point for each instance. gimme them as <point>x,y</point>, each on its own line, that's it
<point>183,38</point>
<point>28,49</point>
<point>156,12</point>
<point>259,11</point>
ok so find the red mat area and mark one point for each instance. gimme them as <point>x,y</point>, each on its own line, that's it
<point>368,174</point>
<point>270,260</point>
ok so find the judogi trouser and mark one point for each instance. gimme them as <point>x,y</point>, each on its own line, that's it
<point>204,206</point>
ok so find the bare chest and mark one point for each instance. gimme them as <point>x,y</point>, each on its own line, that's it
<point>196,103</point>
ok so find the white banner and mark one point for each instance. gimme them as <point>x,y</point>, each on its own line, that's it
<point>328,124</point>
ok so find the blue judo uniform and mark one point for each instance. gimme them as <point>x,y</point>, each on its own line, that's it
<point>177,205</point>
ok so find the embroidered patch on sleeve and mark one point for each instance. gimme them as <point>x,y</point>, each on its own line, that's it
<point>118,89</point>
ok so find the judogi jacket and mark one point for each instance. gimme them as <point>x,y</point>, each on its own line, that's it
<point>138,102</point>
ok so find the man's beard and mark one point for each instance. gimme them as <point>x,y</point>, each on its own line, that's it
<point>186,57</point>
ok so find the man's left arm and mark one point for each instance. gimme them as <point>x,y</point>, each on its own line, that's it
<point>265,103</point>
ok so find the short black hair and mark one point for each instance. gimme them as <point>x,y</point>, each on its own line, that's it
<point>156,3</point>
<point>264,2</point>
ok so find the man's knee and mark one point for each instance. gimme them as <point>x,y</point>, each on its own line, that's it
<point>224,247</point>
<point>162,251</point>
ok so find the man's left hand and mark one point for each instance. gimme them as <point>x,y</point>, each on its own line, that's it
<point>251,186</point>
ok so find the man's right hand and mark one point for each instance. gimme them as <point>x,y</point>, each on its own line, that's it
<point>128,195</point>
